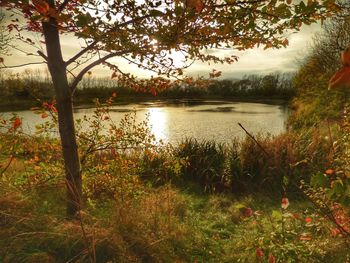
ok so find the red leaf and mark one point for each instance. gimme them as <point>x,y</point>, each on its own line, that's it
<point>259,253</point>
<point>16,123</point>
<point>284,203</point>
<point>198,5</point>
<point>272,258</point>
<point>308,220</point>
<point>248,212</point>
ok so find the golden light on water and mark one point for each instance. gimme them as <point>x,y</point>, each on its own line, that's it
<point>158,122</point>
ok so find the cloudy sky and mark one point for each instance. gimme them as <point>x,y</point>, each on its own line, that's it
<point>254,61</point>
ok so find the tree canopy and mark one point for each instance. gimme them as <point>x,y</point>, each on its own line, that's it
<point>145,33</point>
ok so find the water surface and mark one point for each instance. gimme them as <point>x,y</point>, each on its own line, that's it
<point>210,120</point>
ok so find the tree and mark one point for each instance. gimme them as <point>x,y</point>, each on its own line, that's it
<point>333,39</point>
<point>147,33</point>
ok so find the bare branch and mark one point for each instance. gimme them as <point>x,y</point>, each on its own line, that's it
<point>137,19</point>
<point>81,52</point>
<point>23,65</point>
<point>7,165</point>
<point>62,6</point>
<point>42,54</point>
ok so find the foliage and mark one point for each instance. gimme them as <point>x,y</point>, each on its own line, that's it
<point>314,104</point>
<point>174,26</point>
<point>289,236</point>
<point>326,112</point>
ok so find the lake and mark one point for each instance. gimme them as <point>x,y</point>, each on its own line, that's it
<point>208,120</point>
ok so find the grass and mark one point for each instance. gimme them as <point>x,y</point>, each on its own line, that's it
<point>164,224</point>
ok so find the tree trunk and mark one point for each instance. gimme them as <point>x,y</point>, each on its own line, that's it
<point>57,69</point>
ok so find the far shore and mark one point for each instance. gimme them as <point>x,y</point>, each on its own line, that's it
<point>20,104</point>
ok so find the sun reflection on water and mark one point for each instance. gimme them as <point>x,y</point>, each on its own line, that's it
<point>158,122</point>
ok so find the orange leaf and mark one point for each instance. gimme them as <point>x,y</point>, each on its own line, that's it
<point>41,6</point>
<point>329,171</point>
<point>305,238</point>
<point>44,115</point>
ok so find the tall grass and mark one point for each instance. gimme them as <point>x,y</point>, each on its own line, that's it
<point>243,166</point>
<point>205,163</point>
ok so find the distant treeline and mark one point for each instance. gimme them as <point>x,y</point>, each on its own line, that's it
<point>30,86</point>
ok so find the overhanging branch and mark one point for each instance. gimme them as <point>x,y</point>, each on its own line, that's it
<point>93,44</point>
<point>92,65</point>
<point>82,52</point>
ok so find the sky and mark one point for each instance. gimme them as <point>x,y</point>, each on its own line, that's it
<point>253,61</point>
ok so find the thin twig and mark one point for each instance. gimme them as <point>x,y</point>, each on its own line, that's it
<point>7,166</point>
<point>86,239</point>
<point>23,65</point>
<point>252,137</point>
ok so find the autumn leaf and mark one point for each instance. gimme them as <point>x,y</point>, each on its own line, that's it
<point>41,6</point>
<point>285,203</point>
<point>198,5</point>
<point>329,172</point>
<point>248,212</point>
<point>305,237</point>
<point>259,253</point>
<point>285,42</point>
<point>272,258</point>
<point>114,75</point>
<point>16,123</point>
<point>308,220</point>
